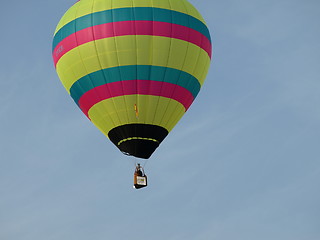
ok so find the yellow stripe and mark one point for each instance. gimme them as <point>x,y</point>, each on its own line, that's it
<point>139,138</point>
<point>69,16</point>
<point>132,50</point>
<point>192,11</point>
<point>117,111</point>
<point>89,6</point>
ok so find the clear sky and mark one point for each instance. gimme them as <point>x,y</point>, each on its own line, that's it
<point>243,163</point>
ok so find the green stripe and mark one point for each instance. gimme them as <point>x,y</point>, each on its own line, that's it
<point>134,72</point>
<point>130,14</point>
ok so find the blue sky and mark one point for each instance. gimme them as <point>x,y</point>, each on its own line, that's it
<point>243,163</point>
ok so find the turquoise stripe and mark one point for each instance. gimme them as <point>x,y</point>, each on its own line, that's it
<point>130,14</point>
<point>134,72</point>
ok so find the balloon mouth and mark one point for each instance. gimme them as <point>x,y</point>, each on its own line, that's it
<point>138,148</point>
<point>138,140</point>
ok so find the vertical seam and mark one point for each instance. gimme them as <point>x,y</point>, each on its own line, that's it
<point>179,78</point>
<point>195,65</point>
<point>78,49</point>
<point>166,69</point>
<point>103,72</point>
<point>116,47</point>
<point>150,69</point>
<point>136,46</point>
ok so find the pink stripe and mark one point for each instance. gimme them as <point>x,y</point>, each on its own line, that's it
<point>130,87</point>
<point>131,28</point>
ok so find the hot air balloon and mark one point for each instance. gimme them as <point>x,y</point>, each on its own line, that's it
<point>133,67</point>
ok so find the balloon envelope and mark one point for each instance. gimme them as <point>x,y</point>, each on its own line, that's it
<point>133,67</point>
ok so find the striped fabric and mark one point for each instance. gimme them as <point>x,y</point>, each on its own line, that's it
<point>132,61</point>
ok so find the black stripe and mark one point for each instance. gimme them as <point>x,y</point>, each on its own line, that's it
<point>135,139</point>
